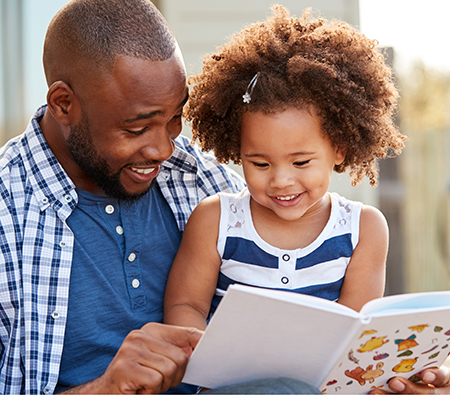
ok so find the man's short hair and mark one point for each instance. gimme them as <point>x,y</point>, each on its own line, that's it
<point>96,31</point>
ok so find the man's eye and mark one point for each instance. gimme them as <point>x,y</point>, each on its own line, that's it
<point>177,117</point>
<point>137,133</point>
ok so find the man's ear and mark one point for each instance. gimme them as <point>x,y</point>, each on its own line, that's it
<point>63,104</point>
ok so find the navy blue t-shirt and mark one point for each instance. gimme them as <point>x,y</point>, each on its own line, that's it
<point>122,256</point>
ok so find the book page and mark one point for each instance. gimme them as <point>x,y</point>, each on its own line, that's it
<point>395,345</point>
<point>257,333</point>
<point>409,302</point>
<point>301,299</point>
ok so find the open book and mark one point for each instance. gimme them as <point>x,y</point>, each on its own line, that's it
<point>260,333</point>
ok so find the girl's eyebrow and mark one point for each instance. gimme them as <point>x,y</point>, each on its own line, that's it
<point>302,153</point>
<point>297,153</point>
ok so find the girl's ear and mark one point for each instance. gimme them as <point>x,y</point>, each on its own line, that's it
<point>63,104</point>
<point>340,156</point>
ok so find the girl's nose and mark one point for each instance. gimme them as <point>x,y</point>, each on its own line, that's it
<point>282,178</point>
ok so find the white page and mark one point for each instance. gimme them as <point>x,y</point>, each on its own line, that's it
<point>297,298</point>
<point>252,337</point>
<point>404,302</point>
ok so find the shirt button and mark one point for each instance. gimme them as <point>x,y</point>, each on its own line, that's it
<point>46,390</point>
<point>285,280</point>
<point>109,209</point>
<point>68,198</point>
<point>135,283</point>
<point>119,230</point>
<point>131,257</point>
<point>165,175</point>
<point>62,244</point>
<point>44,200</point>
<point>286,257</point>
<point>55,315</point>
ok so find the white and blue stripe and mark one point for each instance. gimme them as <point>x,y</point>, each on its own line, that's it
<point>317,269</point>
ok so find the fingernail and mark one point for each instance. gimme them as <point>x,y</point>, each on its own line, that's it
<point>397,385</point>
<point>428,377</point>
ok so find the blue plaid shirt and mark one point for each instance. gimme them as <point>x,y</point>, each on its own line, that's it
<point>37,245</point>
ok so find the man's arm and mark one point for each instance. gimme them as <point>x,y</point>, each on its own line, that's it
<point>150,361</point>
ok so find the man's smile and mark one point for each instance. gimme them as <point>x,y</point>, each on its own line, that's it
<point>144,171</point>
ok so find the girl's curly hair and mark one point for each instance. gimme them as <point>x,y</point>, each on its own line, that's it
<point>327,65</point>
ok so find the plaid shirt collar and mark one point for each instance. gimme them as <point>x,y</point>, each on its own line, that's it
<point>47,178</point>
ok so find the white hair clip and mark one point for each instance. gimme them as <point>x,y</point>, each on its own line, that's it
<point>247,97</point>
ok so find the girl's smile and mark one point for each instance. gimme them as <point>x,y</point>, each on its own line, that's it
<point>288,200</point>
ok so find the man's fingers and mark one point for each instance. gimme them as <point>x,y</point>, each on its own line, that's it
<point>143,380</point>
<point>169,367</point>
<point>379,391</point>
<point>176,343</point>
<point>436,376</point>
<point>405,386</point>
<point>150,360</point>
<point>434,381</point>
<point>182,337</point>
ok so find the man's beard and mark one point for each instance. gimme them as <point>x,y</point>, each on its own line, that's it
<point>85,155</point>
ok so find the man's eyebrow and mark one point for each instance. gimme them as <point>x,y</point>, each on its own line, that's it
<point>143,116</point>
<point>153,113</point>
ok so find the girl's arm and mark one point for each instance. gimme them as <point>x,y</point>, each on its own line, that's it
<point>366,272</point>
<point>193,277</point>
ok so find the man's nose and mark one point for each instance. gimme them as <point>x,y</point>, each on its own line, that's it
<point>159,146</point>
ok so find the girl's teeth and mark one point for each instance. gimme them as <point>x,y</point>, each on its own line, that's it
<point>287,198</point>
<point>144,171</point>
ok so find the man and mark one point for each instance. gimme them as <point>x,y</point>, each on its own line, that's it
<point>95,195</point>
<point>93,208</point>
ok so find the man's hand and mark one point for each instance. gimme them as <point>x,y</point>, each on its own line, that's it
<point>150,361</point>
<point>434,381</point>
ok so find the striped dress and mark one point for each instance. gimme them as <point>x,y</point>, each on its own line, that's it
<point>318,269</point>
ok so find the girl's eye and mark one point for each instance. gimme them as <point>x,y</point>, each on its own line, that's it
<point>301,163</point>
<point>260,165</point>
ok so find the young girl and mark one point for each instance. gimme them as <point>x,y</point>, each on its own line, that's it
<point>291,100</point>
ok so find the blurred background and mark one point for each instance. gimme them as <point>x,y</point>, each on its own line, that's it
<point>414,188</point>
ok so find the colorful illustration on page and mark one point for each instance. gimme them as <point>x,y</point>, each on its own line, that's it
<point>382,352</point>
